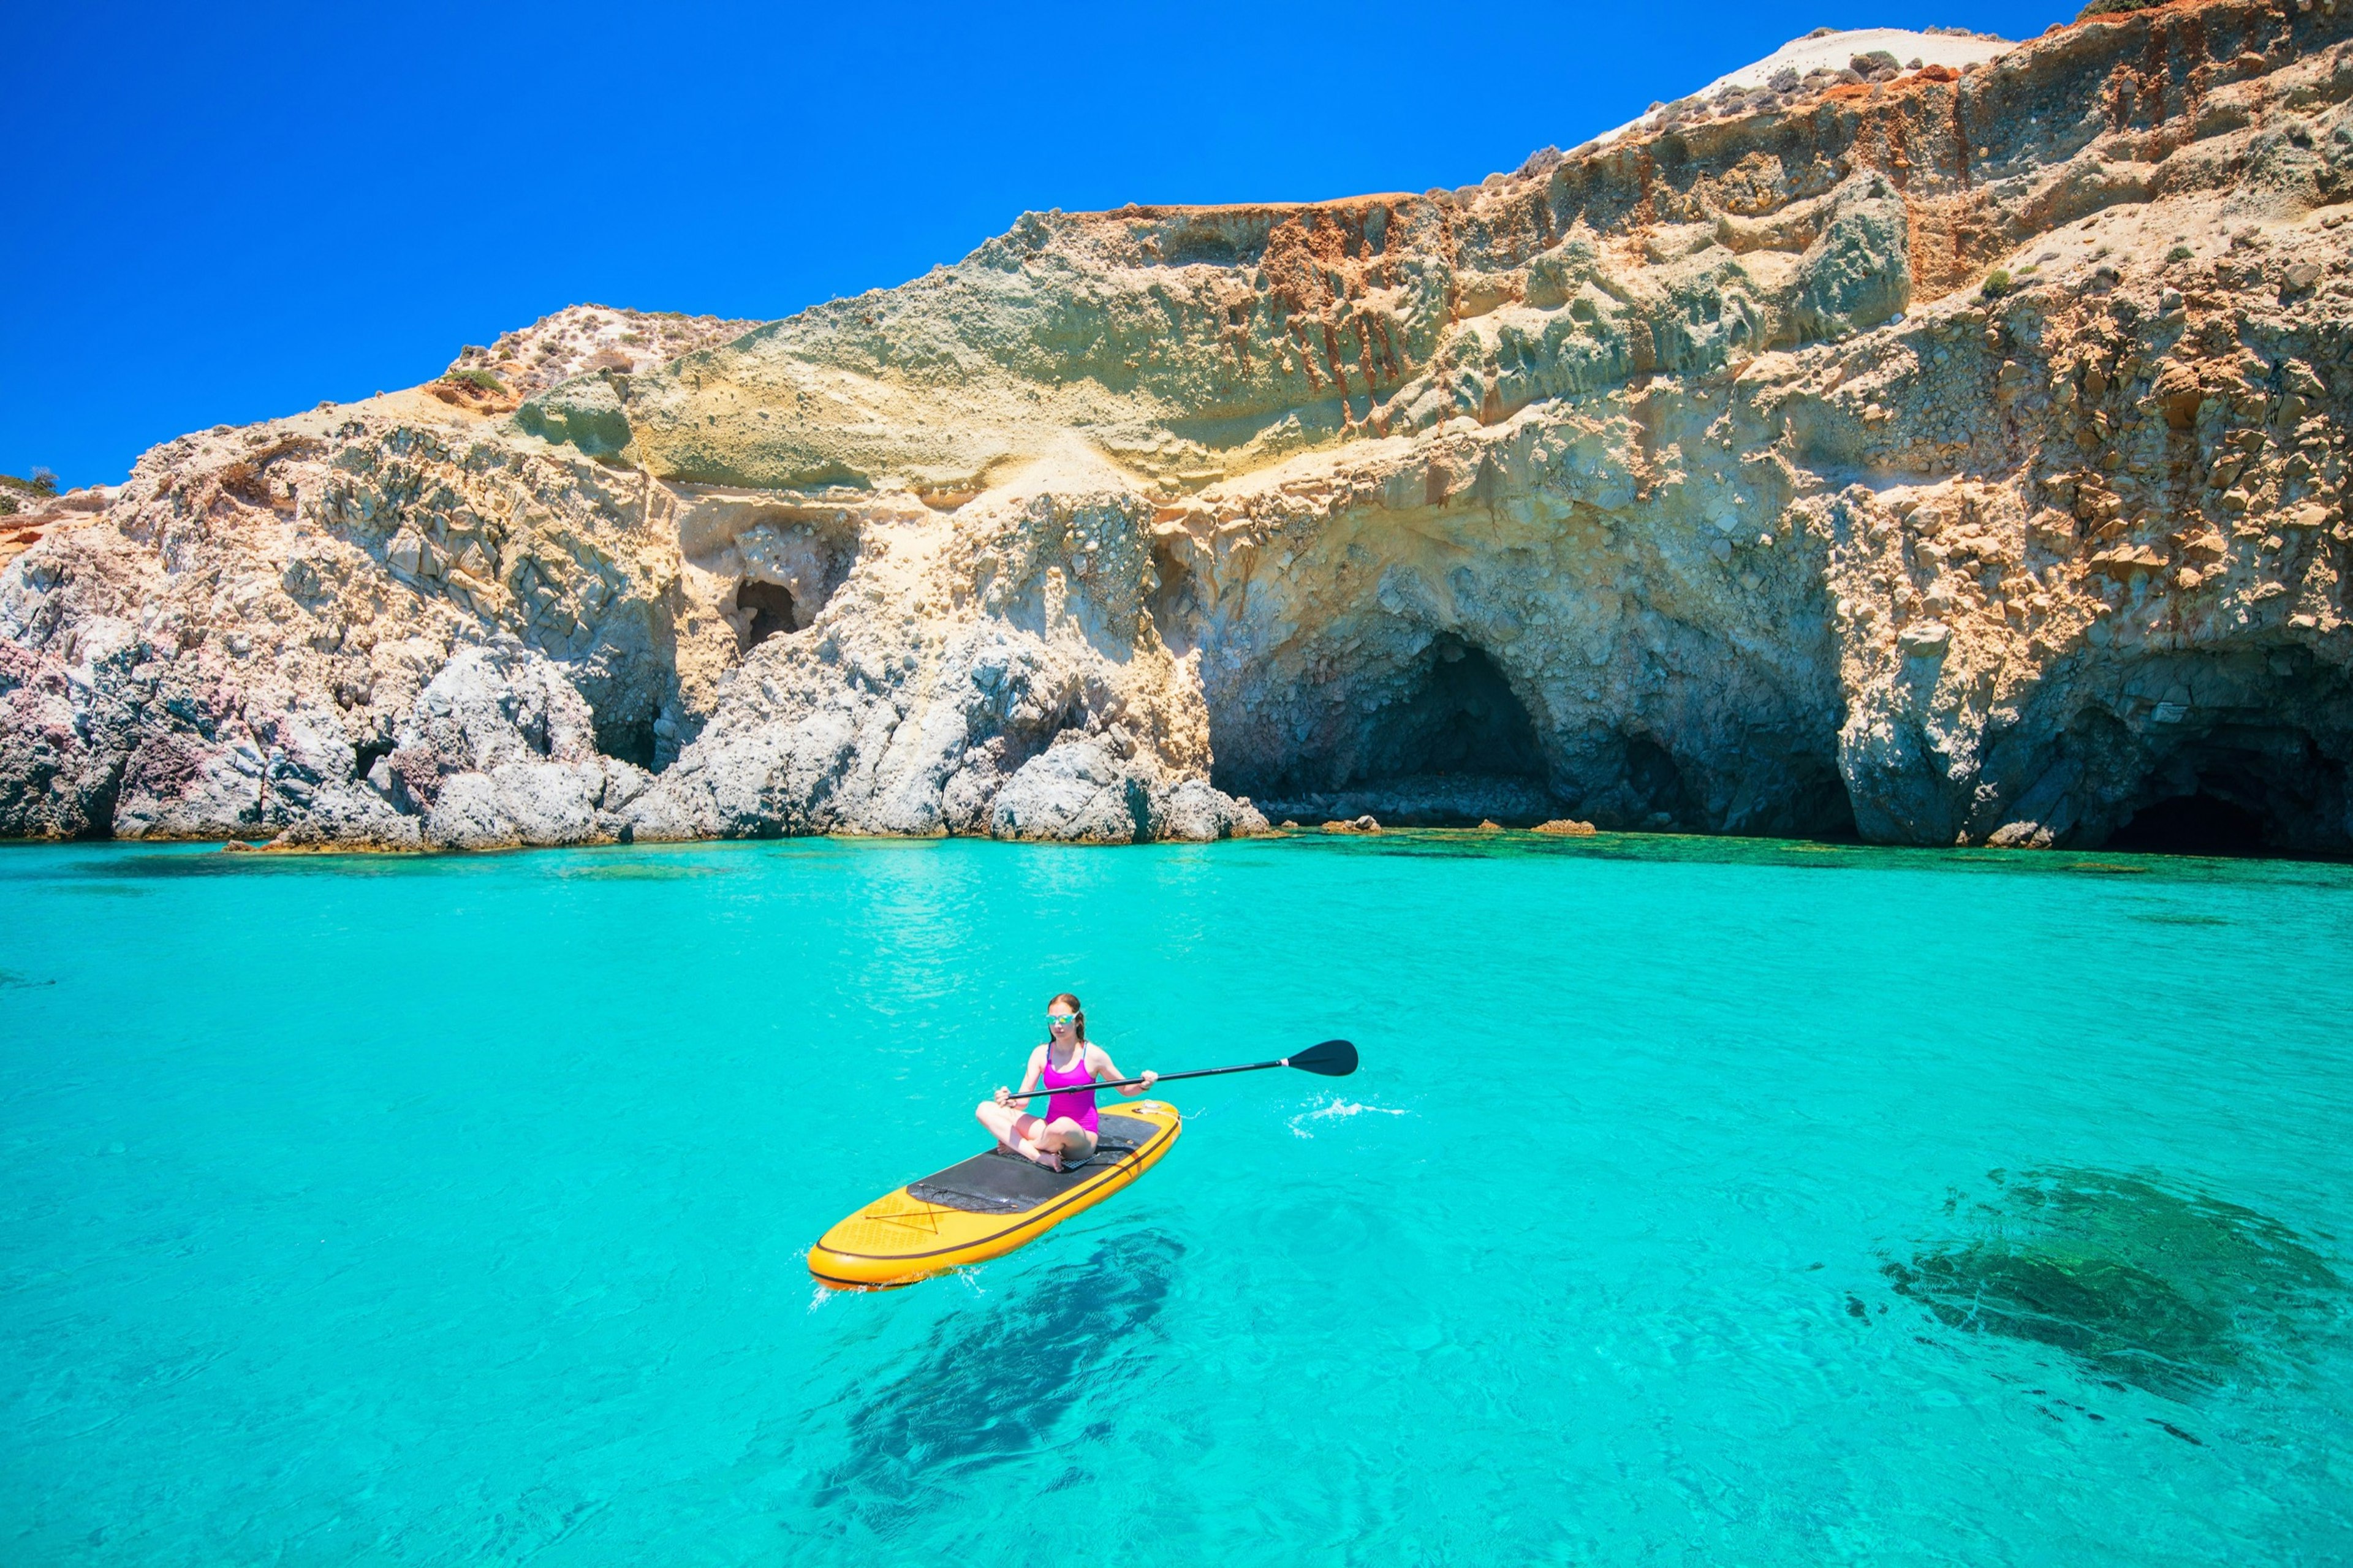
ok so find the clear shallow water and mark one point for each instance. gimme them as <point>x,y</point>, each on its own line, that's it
<point>1698,1203</point>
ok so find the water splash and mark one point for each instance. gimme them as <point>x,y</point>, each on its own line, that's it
<point>1336,1107</point>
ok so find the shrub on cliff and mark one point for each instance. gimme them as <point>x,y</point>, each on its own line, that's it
<point>2115,8</point>
<point>14,492</point>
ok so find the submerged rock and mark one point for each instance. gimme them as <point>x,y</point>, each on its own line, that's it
<point>2170,1292</point>
<point>1780,464</point>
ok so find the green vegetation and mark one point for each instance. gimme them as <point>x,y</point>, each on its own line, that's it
<point>479,378</point>
<point>2115,8</point>
<point>2179,252</point>
<point>1997,283</point>
<point>16,492</point>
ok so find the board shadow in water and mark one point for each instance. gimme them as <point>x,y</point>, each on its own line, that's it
<point>1000,1381</point>
<point>2176,1293</point>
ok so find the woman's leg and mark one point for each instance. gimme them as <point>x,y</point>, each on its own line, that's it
<point>1016,1130</point>
<point>1003,1122</point>
<point>1073,1142</point>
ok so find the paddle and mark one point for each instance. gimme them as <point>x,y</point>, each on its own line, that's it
<point>1333,1059</point>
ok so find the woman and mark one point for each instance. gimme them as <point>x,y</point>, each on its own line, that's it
<point>1064,1137</point>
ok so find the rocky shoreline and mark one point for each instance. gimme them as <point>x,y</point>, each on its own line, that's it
<point>1949,455</point>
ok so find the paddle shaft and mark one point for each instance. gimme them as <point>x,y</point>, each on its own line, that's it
<point>1164,1077</point>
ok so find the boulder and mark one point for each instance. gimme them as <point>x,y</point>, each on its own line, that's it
<point>500,751</point>
<point>1079,793</point>
<point>1194,810</point>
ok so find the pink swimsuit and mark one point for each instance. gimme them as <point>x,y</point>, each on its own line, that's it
<point>1080,1107</point>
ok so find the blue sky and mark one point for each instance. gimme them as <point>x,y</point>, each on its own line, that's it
<point>218,214</point>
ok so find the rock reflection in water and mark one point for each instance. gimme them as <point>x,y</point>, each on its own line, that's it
<point>2172,1292</point>
<point>1002,1379</point>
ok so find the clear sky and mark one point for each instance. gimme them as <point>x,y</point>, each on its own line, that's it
<point>221,213</point>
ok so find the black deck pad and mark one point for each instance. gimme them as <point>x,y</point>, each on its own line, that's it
<point>1001,1182</point>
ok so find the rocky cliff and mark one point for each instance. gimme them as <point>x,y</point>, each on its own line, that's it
<point>1945,445</point>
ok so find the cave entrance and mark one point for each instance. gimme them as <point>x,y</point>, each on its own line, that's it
<point>2241,789</point>
<point>2200,824</point>
<point>1460,717</point>
<point>770,606</point>
<point>1654,779</point>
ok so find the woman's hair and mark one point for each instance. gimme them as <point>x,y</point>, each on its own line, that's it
<point>1076,1007</point>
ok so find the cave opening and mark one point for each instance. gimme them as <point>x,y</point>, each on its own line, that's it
<point>1437,739</point>
<point>1460,717</point>
<point>2241,789</point>
<point>629,739</point>
<point>2199,824</point>
<point>1656,780</point>
<point>771,607</point>
<point>368,753</point>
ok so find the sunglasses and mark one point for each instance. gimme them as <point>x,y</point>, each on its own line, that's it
<point>1061,1017</point>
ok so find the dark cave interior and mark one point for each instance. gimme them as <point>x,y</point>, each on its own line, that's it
<point>771,605</point>
<point>1461,717</point>
<point>2200,824</point>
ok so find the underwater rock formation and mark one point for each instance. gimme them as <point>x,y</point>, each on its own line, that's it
<point>2172,1292</point>
<point>1938,453</point>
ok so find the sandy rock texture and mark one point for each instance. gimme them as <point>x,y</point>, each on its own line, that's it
<point>1945,455</point>
<point>580,339</point>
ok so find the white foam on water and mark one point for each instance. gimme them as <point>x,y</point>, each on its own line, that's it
<point>1332,1107</point>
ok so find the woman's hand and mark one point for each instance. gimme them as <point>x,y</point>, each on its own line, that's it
<point>1004,1095</point>
<point>1150,1077</point>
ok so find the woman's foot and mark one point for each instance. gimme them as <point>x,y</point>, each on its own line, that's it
<point>1037,1154</point>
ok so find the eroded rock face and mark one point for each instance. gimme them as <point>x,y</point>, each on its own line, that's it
<point>1949,455</point>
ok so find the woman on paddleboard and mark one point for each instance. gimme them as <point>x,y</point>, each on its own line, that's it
<point>1065,1136</point>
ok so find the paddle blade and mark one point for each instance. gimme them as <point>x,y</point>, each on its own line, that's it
<point>1333,1059</point>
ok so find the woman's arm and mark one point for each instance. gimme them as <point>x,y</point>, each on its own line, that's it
<point>1029,1081</point>
<point>1108,1070</point>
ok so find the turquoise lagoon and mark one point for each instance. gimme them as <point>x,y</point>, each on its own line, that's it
<point>1698,1203</point>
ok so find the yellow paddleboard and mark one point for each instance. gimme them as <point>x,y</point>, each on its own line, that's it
<point>987,1206</point>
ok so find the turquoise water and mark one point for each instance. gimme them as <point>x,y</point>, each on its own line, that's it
<point>1697,1203</point>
